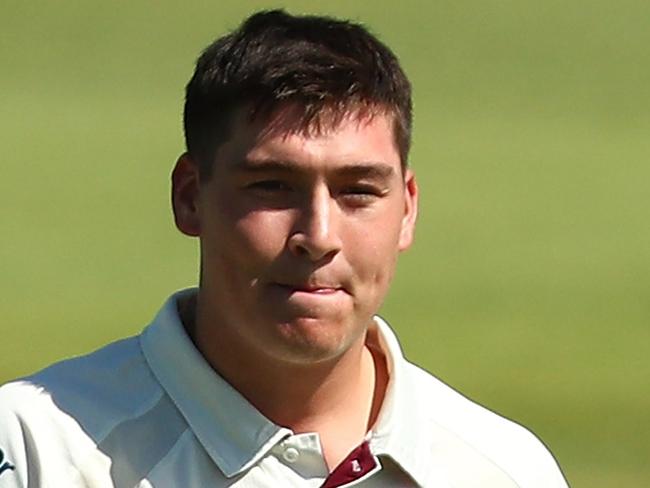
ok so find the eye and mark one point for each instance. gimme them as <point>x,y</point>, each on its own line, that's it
<point>361,195</point>
<point>269,186</point>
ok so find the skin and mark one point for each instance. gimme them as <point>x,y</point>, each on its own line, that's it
<point>300,231</point>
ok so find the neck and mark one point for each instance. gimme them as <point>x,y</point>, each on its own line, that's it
<point>339,398</point>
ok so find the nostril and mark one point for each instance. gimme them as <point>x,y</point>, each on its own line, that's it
<point>305,246</point>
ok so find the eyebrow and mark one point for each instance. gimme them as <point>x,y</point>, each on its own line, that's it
<point>366,169</point>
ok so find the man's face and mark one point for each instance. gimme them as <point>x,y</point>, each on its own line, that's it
<point>300,233</point>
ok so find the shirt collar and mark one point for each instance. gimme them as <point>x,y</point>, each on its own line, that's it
<point>236,435</point>
<point>233,432</point>
<point>399,431</point>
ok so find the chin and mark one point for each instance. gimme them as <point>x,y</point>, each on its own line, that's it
<point>308,340</point>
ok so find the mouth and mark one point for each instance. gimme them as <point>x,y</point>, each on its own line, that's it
<point>310,288</point>
<point>315,300</point>
<point>315,289</point>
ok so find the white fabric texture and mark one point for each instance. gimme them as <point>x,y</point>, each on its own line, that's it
<point>149,412</point>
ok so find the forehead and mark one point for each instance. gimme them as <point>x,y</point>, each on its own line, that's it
<point>332,138</point>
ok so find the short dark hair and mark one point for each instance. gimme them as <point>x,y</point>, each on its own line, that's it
<point>319,64</point>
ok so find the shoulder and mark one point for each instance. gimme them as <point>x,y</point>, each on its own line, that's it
<point>61,413</point>
<point>506,445</point>
<point>104,377</point>
<point>108,384</point>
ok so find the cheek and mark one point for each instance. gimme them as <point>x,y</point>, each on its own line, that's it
<point>373,254</point>
<point>260,235</point>
<point>238,240</point>
<point>237,254</point>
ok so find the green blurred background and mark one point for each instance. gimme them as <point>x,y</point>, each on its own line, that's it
<point>529,286</point>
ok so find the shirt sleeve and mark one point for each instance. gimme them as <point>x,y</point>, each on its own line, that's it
<point>14,469</point>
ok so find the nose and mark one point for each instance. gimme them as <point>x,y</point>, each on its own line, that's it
<point>315,234</point>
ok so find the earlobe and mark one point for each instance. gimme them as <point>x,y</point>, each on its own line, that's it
<point>410,211</point>
<point>185,194</point>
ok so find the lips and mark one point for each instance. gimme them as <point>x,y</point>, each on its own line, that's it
<point>310,287</point>
<point>310,300</point>
<point>318,289</point>
<point>321,289</point>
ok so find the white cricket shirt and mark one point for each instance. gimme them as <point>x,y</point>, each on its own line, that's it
<point>149,411</point>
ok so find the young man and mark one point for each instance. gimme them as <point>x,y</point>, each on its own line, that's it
<point>275,371</point>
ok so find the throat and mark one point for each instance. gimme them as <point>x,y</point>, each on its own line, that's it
<point>339,399</point>
<point>343,412</point>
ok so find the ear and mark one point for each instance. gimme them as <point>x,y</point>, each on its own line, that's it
<point>410,211</point>
<point>185,195</point>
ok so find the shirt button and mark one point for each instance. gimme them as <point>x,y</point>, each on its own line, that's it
<point>291,455</point>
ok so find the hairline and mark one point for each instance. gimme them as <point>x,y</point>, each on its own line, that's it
<point>287,117</point>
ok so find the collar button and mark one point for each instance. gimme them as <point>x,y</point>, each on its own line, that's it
<point>291,454</point>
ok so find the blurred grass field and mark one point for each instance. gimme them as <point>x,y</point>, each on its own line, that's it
<point>529,286</point>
